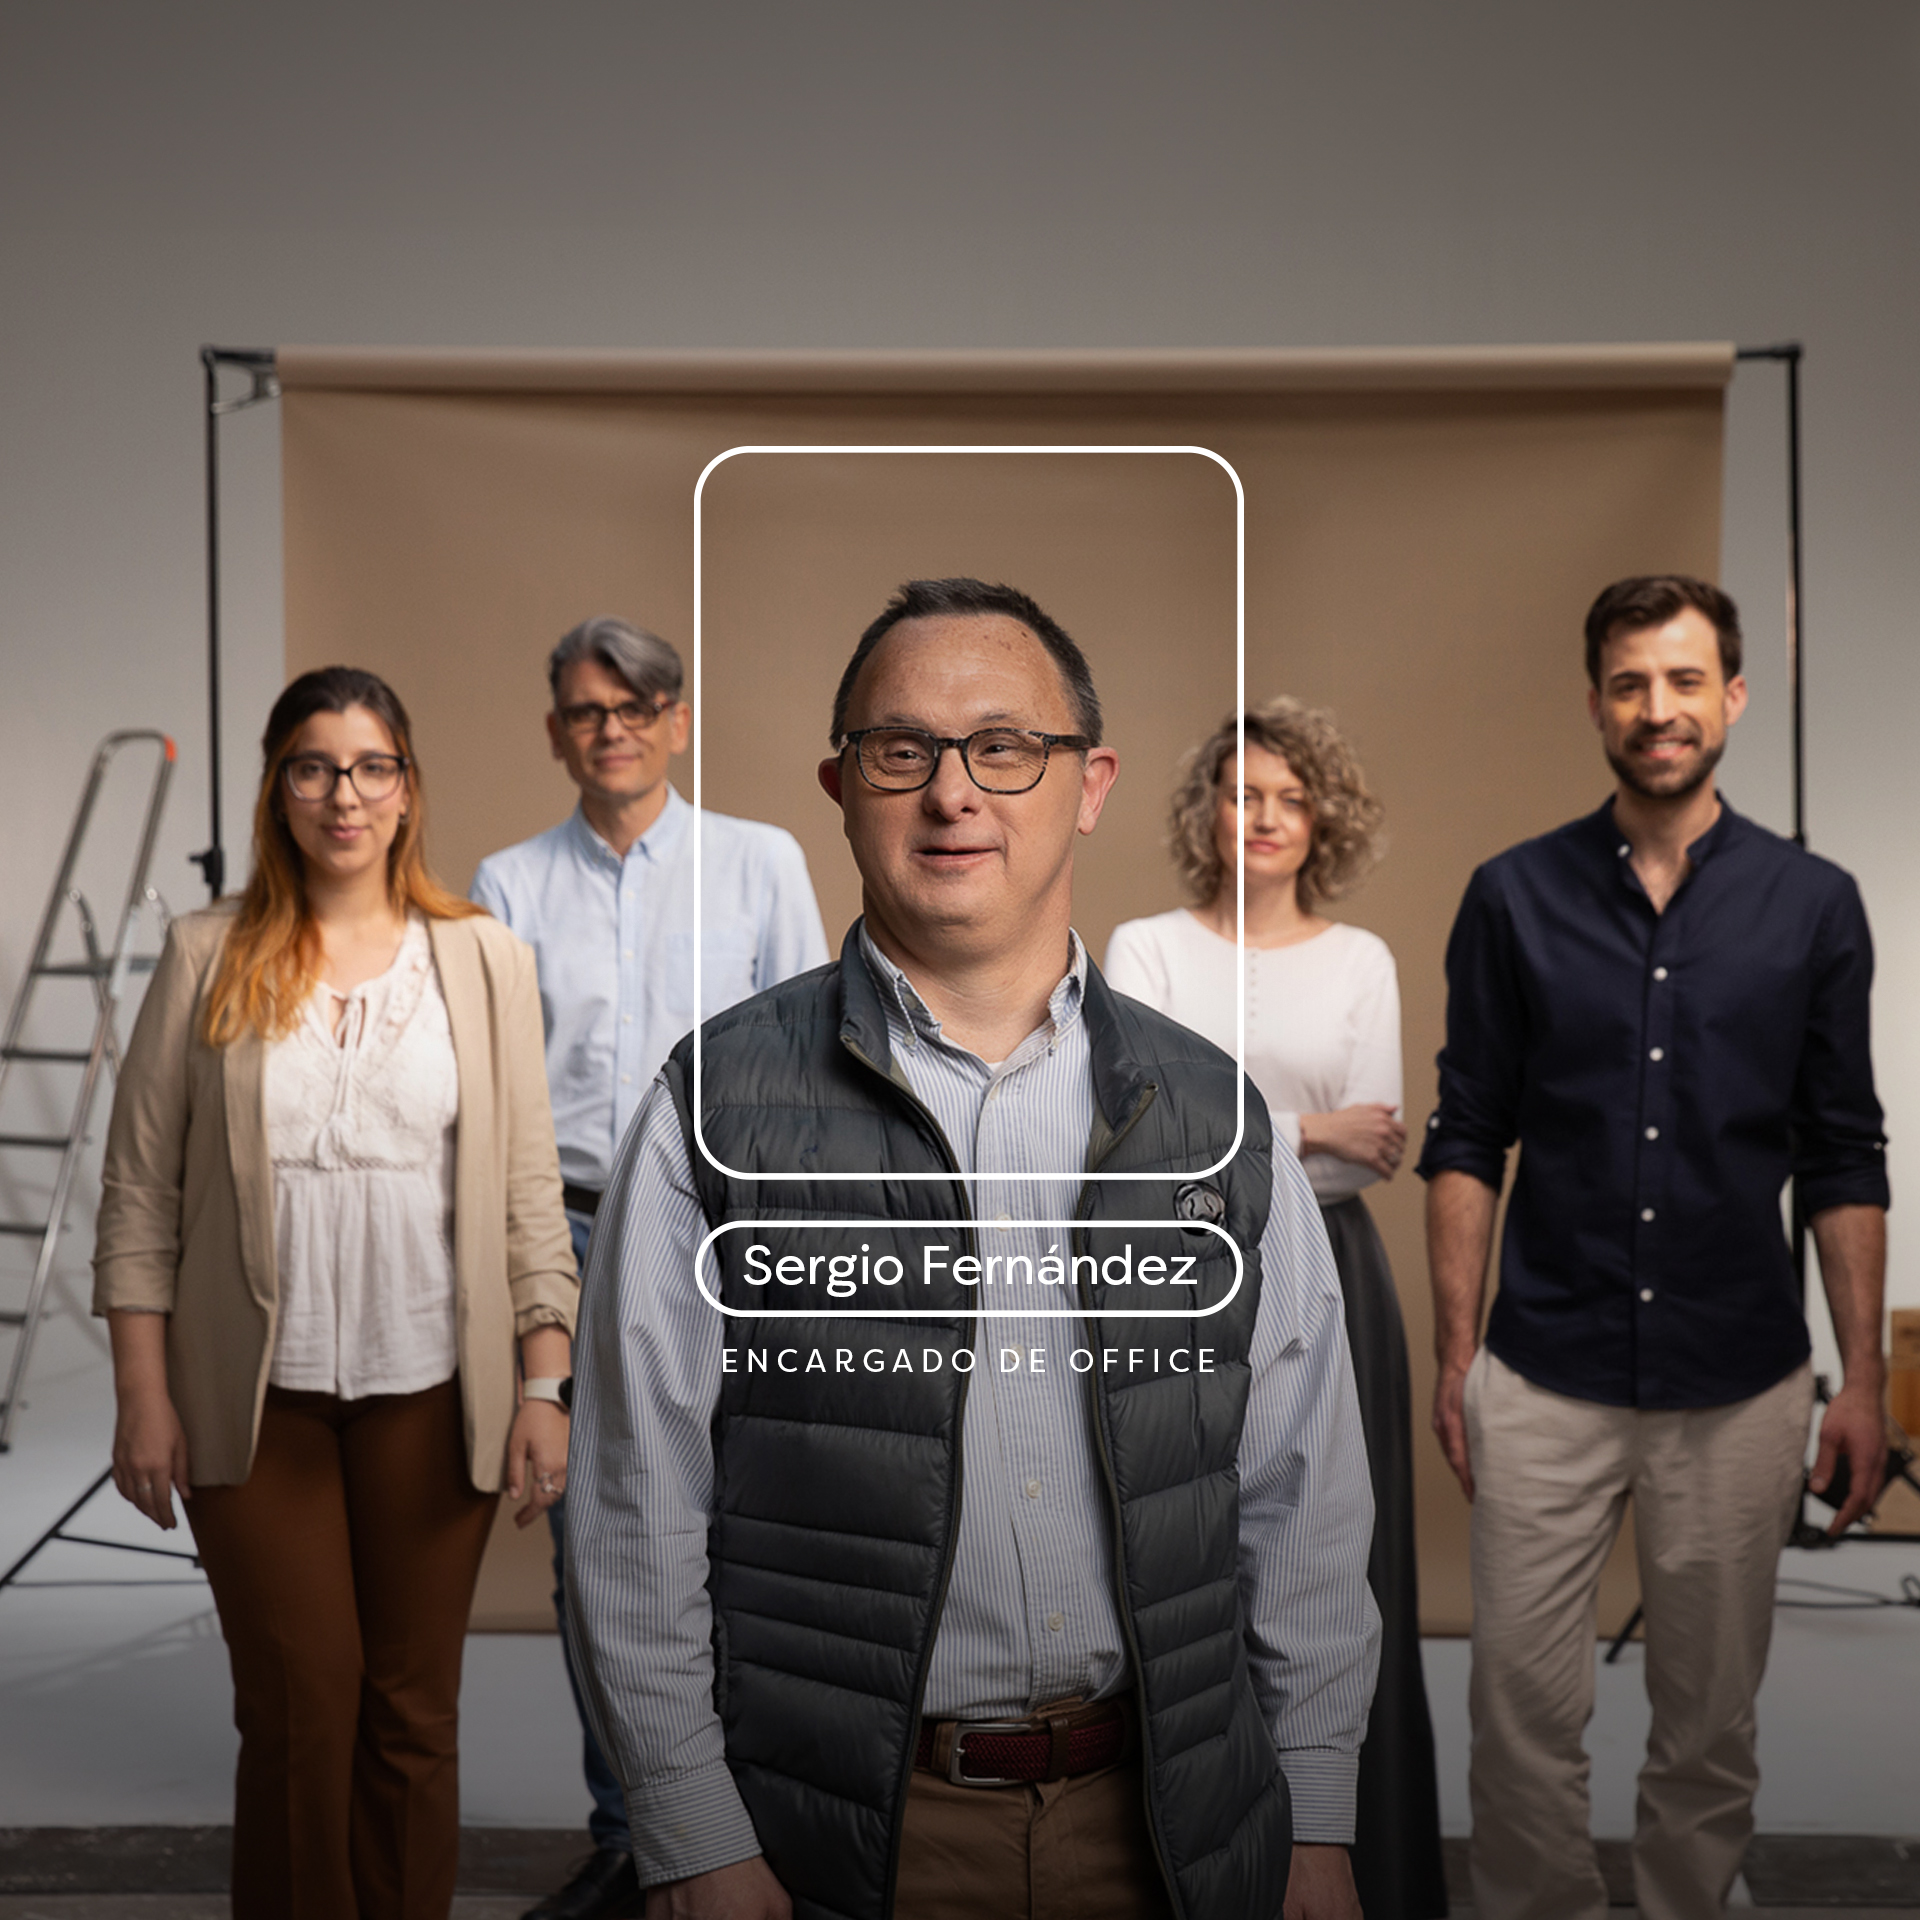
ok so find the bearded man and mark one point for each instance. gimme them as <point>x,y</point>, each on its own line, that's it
<point>1667,1006</point>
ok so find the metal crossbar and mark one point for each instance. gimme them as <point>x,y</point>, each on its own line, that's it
<point>58,1533</point>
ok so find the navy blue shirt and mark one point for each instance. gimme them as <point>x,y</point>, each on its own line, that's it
<point>1664,1074</point>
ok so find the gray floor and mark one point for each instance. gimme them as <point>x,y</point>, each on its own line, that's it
<point>177,1906</point>
<point>190,1906</point>
<point>114,1708</point>
<point>170,1906</point>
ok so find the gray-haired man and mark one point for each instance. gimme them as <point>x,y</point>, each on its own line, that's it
<point>605,900</point>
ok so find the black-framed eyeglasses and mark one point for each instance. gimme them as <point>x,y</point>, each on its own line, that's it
<point>587,717</point>
<point>997,759</point>
<point>311,776</point>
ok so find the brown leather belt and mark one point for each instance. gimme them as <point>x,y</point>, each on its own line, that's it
<point>1056,1743</point>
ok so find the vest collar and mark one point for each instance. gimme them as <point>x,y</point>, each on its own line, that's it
<point>1120,1082</point>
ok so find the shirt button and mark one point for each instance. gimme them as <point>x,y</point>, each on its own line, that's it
<point>1646,1293</point>
<point>1653,1133</point>
<point>1055,1621</point>
<point>1033,1489</point>
<point>1623,850</point>
<point>626,1079</point>
<point>1656,1053</point>
<point>1003,1219</point>
<point>1659,973</point>
<point>626,953</point>
<point>626,1020</point>
<point>1646,1213</point>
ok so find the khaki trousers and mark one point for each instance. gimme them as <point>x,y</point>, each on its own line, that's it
<point>1055,1850</point>
<point>1713,1490</point>
<point>343,1569</point>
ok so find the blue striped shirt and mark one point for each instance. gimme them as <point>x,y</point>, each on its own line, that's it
<point>1030,1614</point>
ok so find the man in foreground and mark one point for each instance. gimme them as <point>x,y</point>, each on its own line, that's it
<point>813,1554</point>
<point>605,900</point>
<point>1667,1007</point>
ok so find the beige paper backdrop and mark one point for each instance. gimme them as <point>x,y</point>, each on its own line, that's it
<point>1423,534</point>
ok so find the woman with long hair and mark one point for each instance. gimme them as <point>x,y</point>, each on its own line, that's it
<point>331,1210</point>
<point>1293,817</point>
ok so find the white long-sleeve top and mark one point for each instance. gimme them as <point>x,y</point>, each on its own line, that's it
<point>1030,1612</point>
<point>1323,1018</point>
<point>360,1128</point>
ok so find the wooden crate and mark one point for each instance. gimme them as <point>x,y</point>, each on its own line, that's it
<point>1903,1378</point>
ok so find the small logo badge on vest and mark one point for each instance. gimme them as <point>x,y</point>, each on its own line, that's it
<point>1197,1201</point>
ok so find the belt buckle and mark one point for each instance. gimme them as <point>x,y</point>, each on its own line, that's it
<point>961,1728</point>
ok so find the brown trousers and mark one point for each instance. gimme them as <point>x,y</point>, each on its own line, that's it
<point>1057,1850</point>
<point>344,1570</point>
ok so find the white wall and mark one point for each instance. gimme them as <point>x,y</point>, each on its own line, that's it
<point>1088,174</point>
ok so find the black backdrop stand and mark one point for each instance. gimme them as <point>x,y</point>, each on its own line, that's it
<point>259,366</point>
<point>263,383</point>
<point>1806,1533</point>
<point>257,363</point>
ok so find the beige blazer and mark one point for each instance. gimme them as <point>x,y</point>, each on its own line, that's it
<point>186,1213</point>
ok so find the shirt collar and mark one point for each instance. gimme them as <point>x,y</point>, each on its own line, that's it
<point>910,1020</point>
<point>1727,826</point>
<point>654,845</point>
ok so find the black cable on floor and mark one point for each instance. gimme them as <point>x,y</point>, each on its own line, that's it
<point>1853,1599</point>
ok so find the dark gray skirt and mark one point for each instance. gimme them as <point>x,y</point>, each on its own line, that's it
<point>1397,1864</point>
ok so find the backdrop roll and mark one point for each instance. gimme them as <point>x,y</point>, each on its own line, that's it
<point>1424,532</point>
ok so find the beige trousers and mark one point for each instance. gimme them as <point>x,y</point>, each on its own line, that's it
<point>1713,1490</point>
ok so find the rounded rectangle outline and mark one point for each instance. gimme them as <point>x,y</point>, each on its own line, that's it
<point>961,1313</point>
<point>1240,708</point>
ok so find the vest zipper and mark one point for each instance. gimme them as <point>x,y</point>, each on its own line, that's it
<point>1082,1211</point>
<point>938,1135</point>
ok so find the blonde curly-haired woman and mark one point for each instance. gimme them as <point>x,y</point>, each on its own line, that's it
<point>1293,814</point>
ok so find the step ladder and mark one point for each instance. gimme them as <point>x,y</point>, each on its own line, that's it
<point>104,969</point>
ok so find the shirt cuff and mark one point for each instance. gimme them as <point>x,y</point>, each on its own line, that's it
<point>1866,1187</point>
<point>687,1824</point>
<point>1322,1783</point>
<point>1449,1153</point>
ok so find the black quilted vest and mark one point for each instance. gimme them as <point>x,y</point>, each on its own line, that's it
<point>836,1491</point>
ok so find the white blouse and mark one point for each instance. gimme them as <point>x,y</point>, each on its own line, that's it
<point>1323,1018</point>
<point>360,1126</point>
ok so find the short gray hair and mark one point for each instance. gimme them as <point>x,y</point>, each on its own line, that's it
<point>643,660</point>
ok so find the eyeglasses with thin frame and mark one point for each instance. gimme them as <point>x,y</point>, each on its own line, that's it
<point>997,759</point>
<point>587,717</point>
<point>312,777</point>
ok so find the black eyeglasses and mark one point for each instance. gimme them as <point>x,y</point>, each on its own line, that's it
<point>587,717</point>
<point>310,777</point>
<point>997,759</point>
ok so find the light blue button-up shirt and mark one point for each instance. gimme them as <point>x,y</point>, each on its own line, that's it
<point>614,941</point>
